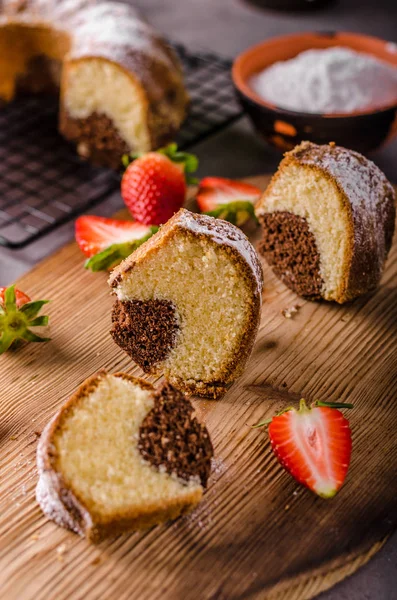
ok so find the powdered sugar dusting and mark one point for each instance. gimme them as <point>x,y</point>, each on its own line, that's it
<point>97,27</point>
<point>218,467</point>
<point>366,187</point>
<point>47,494</point>
<point>51,504</point>
<point>224,233</point>
<point>334,80</point>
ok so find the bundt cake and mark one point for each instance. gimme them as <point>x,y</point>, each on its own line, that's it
<point>120,455</point>
<point>120,85</point>
<point>188,303</point>
<point>328,221</point>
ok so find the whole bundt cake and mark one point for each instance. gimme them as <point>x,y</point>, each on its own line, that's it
<point>188,303</point>
<point>328,221</point>
<point>121,86</point>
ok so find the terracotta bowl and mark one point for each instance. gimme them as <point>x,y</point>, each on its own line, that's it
<point>363,131</point>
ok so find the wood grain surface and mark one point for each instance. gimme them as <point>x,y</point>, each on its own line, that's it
<point>257,534</point>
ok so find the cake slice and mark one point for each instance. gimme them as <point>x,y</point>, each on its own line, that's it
<point>188,303</point>
<point>328,221</point>
<point>120,455</point>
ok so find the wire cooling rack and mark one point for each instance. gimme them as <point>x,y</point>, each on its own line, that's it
<point>43,183</point>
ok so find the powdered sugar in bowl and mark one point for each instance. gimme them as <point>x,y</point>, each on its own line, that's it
<point>321,87</point>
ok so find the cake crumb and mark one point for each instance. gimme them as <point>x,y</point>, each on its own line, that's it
<point>96,561</point>
<point>286,507</point>
<point>13,437</point>
<point>289,312</point>
<point>34,537</point>
<point>61,551</point>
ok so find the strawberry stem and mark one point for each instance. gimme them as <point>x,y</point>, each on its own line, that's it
<point>15,322</point>
<point>303,406</point>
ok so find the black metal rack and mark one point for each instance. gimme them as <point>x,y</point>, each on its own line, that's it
<point>43,183</point>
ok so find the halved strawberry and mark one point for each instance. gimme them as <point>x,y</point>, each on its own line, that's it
<point>17,315</point>
<point>227,199</point>
<point>154,185</point>
<point>313,445</point>
<point>108,241</point>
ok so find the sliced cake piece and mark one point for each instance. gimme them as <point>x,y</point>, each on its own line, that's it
<point>120,455</point>
<point>328,221</point>
<point>188,303</point>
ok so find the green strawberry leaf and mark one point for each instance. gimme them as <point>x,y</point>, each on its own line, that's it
<point>15,322</point>
<point>114,254</point>
<point>31,309</point>
<point>189,161</point>
<point>238,212</point>
<point>29,336</point>
<point>332,404</point>
<point>303,407</point>
<point>268,421</point>
<point>5,341</point>
<point>126,160</point>
<point>262,423</point>
<point>39,321</point>
<point>10,298</point>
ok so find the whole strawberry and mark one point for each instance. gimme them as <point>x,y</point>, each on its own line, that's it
<point>154,185</point>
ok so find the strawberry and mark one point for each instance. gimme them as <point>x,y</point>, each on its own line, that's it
<point>17,315</point>
<point>107,241</point>
<point>154,184</point>
<point>313,445</point>
<point>227,199</point>
<point>21,297</point>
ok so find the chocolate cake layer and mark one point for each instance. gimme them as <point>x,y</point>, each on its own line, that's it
<point>290,249</point>
<point>96,138</point>
<point>147,331</point>
<point>171,438</point>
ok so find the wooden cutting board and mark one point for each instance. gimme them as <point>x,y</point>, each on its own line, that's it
<point>257,534</point>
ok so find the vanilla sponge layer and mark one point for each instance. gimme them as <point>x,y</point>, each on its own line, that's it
<point>211,298</point>
<point>307,193</point>
<point>98,456</point>
<point>99,86</point>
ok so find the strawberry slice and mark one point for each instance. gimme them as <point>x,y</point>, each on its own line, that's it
<point>106,242</point>
<point>17,315</point>
<point>228,199</point>
<point>313,445</point>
